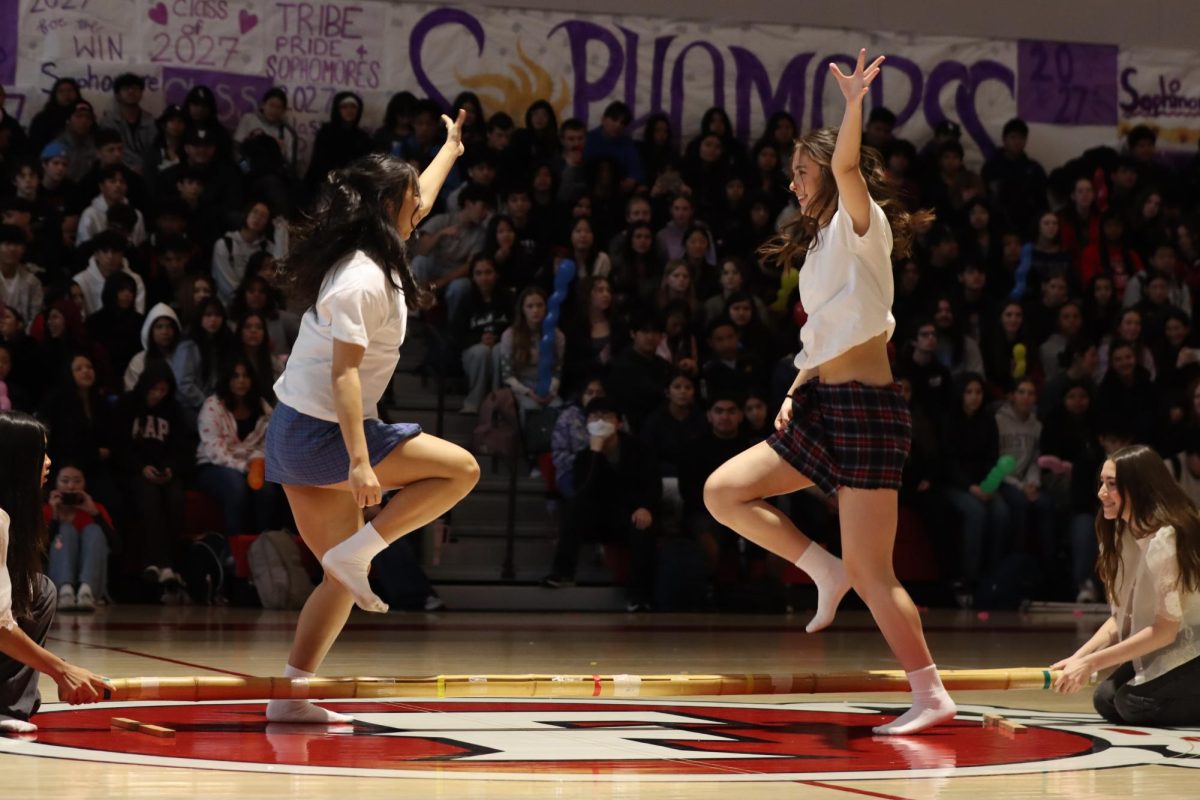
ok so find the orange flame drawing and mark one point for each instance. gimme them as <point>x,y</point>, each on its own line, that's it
<point>501,93</point>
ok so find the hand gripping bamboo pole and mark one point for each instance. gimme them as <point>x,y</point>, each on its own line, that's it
<point>563,686</point>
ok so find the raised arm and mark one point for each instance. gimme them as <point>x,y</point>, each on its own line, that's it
<point>435,174</point>
<point>845,165</point>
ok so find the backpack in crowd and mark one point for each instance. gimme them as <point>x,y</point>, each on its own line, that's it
<point>275,568</point>
<point>496,433</point>
<point>206,564</point>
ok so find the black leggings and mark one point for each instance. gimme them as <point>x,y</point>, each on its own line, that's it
<point>1168,700</point>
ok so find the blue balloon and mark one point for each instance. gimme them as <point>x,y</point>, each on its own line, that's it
<point>547,357</point>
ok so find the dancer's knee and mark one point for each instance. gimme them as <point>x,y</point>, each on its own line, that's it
<point>721,496</point>
<point>869,577</point>
<point>465,471</point>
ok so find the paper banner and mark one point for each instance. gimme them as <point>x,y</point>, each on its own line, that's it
<point>224,35</point>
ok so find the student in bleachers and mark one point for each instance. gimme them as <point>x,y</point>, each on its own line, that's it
<point>259,233</point>
<point>117,325</point>
<point>520,353</point>
<point>485,313</point>
<point>256,296</point>
<point>233,429</point>
<point>20,287</point>
<point>971,448</point>
<point>154,452</point>
<point>617,496</point>
<point>79,530</point>
<point>162,340</point>
<point>1032,508</point>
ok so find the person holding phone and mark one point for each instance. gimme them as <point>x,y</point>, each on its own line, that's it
<point>79,531</point>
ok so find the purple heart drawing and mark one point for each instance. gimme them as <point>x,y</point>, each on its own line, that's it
<point>246,20</point>
<point>158,13</point>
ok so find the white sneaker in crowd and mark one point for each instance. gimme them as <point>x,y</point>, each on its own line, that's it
<point>85,601</point>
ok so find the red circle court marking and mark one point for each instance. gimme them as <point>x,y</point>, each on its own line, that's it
<point>697,741</point>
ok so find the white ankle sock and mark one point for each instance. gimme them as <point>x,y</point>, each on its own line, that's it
<point>829,575</point>
<point>13,725</point>
<point>931,705</point>
<point>350,561</point>
<point>301,710</point>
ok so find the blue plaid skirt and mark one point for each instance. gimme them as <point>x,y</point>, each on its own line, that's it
<point>306,451</point>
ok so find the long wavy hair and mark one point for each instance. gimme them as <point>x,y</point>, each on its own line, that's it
<point>355,210</point>
<point>803,231</point>
<point>1154,500</point>
<point>22,454</point>
<point>525,338</point>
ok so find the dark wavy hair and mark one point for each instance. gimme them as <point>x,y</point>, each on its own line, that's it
<point>355,210</point>
<point>22,454</point>
<point>803,231</point>
<point>258,357</point>
<point>253,398</point>
<point>1154,500</point>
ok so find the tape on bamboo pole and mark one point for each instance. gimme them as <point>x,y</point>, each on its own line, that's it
<point>563,686</point>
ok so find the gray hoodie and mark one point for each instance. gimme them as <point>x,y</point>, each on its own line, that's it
<point>185,364</point>
<point>1020,439</point>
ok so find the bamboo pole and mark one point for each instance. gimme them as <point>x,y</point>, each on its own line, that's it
<point>563,686</point>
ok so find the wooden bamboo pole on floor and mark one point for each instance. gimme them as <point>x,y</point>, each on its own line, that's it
<point>563,686</point>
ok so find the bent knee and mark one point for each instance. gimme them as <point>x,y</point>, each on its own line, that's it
<point>720,493</point>
<point>465,470</point>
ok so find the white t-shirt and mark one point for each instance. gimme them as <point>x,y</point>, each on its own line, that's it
<point>356,305</point>
<point>846,287</point>
<point>6,617</point>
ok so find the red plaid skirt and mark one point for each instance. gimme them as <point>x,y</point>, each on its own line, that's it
<point>847,434</point>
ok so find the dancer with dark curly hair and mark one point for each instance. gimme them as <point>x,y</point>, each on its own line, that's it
<point>844,426</point>
<point>326,444</point>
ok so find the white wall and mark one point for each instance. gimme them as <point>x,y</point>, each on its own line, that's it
<point>1155,23</point>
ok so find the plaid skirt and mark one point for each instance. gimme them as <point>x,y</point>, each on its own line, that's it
<point>306,451</point>
<point>847,434</point>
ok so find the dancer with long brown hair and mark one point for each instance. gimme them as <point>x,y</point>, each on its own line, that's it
<point>844,426</point>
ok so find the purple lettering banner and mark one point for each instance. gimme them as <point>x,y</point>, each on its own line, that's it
<point>236,94</point>
<point>1066,83</point>
<point>9,11</point>
<point>1074,95</point>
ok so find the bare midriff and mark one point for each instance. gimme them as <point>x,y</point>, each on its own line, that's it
<point>865,363</point>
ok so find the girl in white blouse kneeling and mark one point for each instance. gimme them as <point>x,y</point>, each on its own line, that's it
<point>1149,536</point>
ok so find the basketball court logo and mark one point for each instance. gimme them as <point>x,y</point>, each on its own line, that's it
<point>602,740</point>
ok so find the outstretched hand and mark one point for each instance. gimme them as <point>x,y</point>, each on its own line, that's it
<point>454,130</point>
<point>854,86</point>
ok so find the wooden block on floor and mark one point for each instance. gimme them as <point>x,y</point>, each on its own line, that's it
<point>992,720</point>
<point>142,727</point>
<point>1010,728</point>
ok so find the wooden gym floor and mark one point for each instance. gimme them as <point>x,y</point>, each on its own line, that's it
<point>759,747</point>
